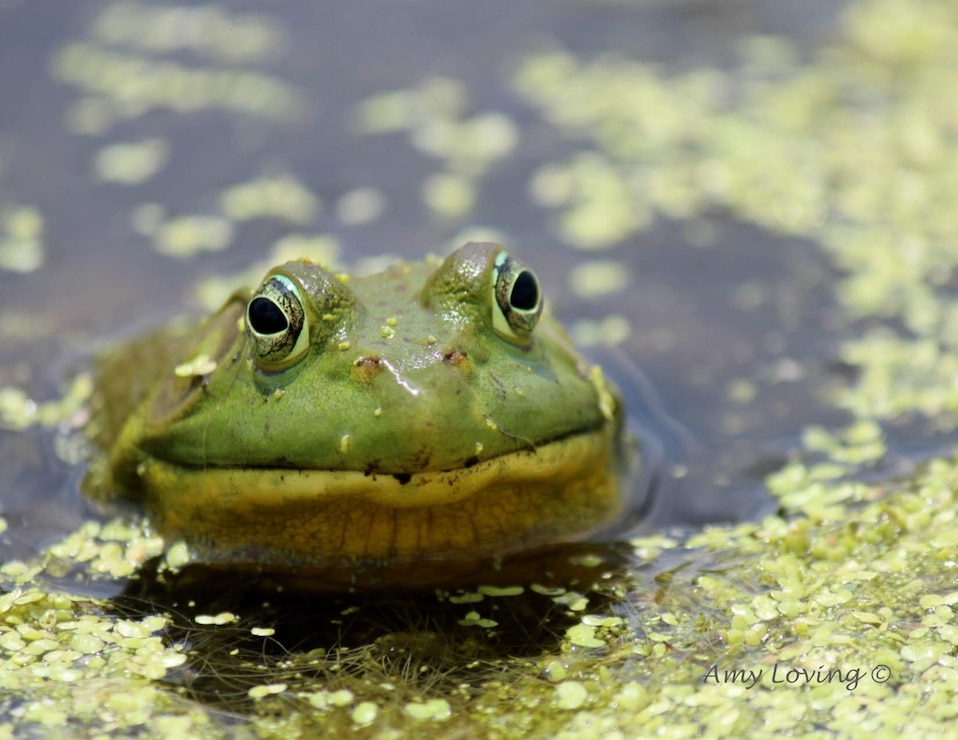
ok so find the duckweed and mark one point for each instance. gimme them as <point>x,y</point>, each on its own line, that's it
<point>326,699</point>
<point>205,29</point>
<point>815,630</point>
<point>360,206</point>
<point>787,151</point>
<point>264,690</point>
<point>76,667</point>
<point>498,591</point>
<point>435,98</point>
<point>185,236</point>
<point>19,411</point>
<point>449,195</point>
<point>365,713</point>
<point>217,619</point>
<point>437,710</point>
<point>598,278</point>
<point>474,619</point>
<point>611,329</point>
<point>21,239</point>
<point>433,116</point>
<point>132,163</point>
<point>571,695</point>
<point>282,197</point>
<point>834,615</point>
<point>583,635</point>
<point>127,85</point>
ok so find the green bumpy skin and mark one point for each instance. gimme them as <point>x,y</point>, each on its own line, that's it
<point>430,412</point>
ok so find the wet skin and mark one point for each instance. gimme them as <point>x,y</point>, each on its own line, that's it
<point>430,413</point>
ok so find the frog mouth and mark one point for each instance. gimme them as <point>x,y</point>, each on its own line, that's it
<point>560,491</point>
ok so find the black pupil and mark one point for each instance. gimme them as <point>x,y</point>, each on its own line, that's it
<point>265,317</point>
<point>525,292</point>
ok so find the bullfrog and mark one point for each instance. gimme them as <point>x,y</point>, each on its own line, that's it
<point>432,413</point>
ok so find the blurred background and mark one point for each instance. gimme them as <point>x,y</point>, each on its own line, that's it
<point>743,209</point>
<point>644,157</point>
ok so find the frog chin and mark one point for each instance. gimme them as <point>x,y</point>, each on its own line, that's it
<point>561,491</point>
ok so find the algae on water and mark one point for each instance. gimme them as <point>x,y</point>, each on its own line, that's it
<point>835,614</point>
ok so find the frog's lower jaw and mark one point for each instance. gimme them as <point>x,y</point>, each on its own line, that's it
<point>562,491</point>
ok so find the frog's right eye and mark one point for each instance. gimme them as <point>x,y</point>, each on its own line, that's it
<point>276,324</point>
<point>517,299</point>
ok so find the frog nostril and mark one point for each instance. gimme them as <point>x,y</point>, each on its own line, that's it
<point>366,368</point>
<point>456,357</point>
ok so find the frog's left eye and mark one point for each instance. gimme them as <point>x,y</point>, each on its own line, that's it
<point>517,298</point>
<point>276,324</point>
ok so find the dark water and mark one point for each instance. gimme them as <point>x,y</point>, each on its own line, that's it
<point>692,336</point>
<point>101,281</point>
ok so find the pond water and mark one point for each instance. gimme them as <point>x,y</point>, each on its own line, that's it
<point>658,164</point>
<point>691,333</point>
